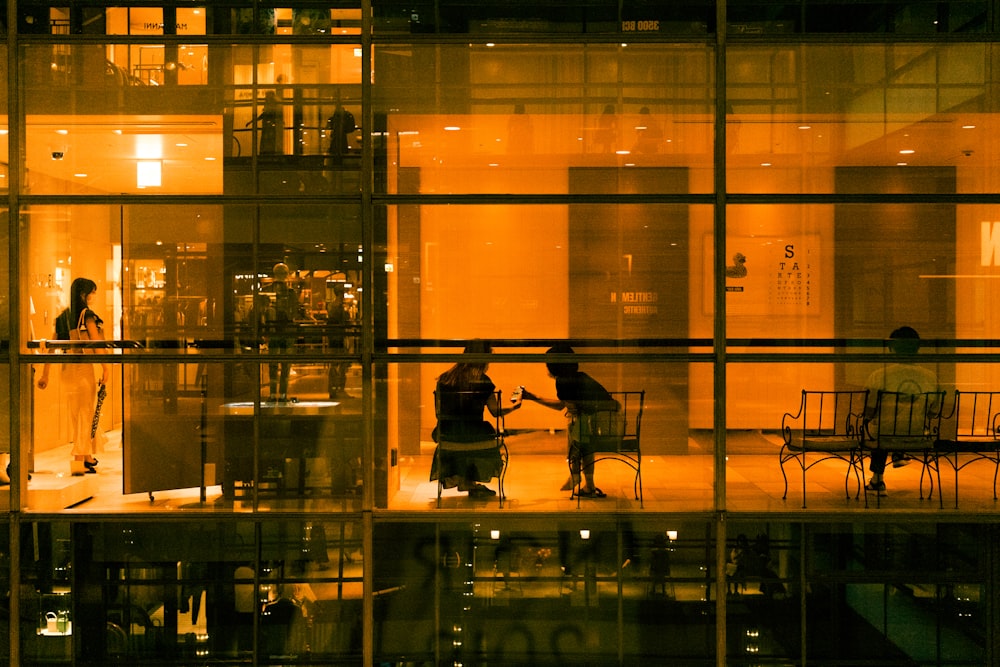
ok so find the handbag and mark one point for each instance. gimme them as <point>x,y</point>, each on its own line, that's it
<point>80,332</point>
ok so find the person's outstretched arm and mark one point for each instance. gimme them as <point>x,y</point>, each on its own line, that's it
<point>552,403</point>
<point>495,408</point>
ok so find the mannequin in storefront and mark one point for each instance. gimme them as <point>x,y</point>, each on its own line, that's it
<point>79,322</point>
<point>578,394</point>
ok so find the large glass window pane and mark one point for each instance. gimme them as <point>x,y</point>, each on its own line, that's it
<point>800,116</point>
<point>915,590</point>
<point>895,17</point>
<point>10,449</point>
<point>296,110</point>
<point>595,16</point>
<point>182,280</point>
<point>580,591</point>
<point>134,592</point>
<point>36,17</point>
<point>4,123</point>
<point>5,574</point>
<point>45,594</point>
<point>114,118</point>
<point>288,120</point>
<point>666,463</point>
<point>523,118</point>
<point>310,587</point>
<point>551,271</point>
<point>859,271</point>
<point>5,319</point>
<point>806,433</point>
<point>458,16</point>
<point>763,568</point>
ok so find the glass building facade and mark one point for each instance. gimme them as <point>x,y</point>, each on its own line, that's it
<point>297,217</point>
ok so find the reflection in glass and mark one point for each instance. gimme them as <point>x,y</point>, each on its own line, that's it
<point>578,591</point>
<point>191,591</point>
<point>811,118</point>
<point>522,123</point>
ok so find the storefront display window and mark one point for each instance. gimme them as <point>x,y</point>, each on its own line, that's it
<point>181,282</point>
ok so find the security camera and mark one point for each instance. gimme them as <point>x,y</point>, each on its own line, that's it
<point>57,155</point>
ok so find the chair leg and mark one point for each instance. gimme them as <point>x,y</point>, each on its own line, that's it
<point>638,478</point>
<point>803,480</point>
<point>861,467</point>
<point>781,464</point>
<point>937,470</point>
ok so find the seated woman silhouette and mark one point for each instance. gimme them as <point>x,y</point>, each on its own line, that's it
<point>463,392</point>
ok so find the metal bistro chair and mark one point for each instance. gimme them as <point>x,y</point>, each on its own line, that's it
<point>826,426</point>
<point>477,461</point>
<point>973,429</point>
<point>908,423</point>
<point>610,433</point>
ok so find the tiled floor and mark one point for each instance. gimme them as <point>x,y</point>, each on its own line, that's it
<point>537,469</point>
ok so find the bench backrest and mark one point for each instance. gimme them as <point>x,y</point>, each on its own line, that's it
<point>903,419</point>
<point>974,415</point>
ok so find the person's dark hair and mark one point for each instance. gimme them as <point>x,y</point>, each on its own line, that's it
<point>561,368</point>
<point>465,374</point>
<point>70,315</point>
<point>78,292</point>
<point>904,340</point>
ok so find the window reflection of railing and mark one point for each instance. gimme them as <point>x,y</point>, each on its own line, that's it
<point>296,121</point>
<point>119,76</point>
<point>83,345</point>
<point>312,140</point>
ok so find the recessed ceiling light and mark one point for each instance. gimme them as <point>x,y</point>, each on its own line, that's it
<point>907,151</point>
